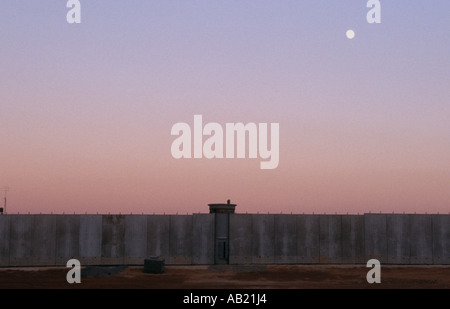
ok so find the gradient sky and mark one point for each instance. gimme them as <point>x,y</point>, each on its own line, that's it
<point>86,109</point>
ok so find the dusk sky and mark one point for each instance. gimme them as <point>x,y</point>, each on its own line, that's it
<point>86,110</point>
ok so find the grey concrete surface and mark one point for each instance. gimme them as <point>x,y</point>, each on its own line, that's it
<point>67,238</point>
<point>90,239</point>
<point>46,240</point>
<point>241,239</point>
<point>308,239</point>
<point>203,239</point>
<point>158,232</point>
<point>375,237</point>
<point>180,240</point>
<point>4,240</point>
<point>135,239</point>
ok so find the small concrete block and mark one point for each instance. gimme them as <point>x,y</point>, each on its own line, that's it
<point>154,265</point>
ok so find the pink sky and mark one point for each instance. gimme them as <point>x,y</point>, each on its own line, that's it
<point>86,110</point>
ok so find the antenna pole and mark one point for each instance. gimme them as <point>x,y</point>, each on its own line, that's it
<point>5,189</point>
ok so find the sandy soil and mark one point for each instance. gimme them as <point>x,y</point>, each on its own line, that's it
<point>230,277</point>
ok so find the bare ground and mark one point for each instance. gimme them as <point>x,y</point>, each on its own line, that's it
<point>230,277</point>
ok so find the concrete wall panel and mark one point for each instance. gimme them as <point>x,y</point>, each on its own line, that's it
<point>135,239</point>
<point>180,243</point>
<point>263,239</point>
<point>203,239</point>
<point>308,249</point>
<point>46,240</point>
<point>330,239</point>
<point>221,242</point>
<point>20,246</point>
<point>398,239</point>
<point>4,239</point>
<point>43,244</point>
<point>421,239</point>
<point>90,239</point>
<point>240,238</point>
<point>113,239</point>
<point>158,229</point>
<point>67,236</point>
<point>441,239</point>
<point>375,234</point>
<point>352,239</point>
<point>285,239</point>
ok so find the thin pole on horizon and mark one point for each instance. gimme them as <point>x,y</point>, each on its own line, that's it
<point>5,190</point>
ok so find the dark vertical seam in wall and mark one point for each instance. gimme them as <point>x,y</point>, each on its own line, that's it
<point>228,239</point>
<point>123,217</point>
<point>342,241</point>
<point>319,262</point>
<point>386,228</point>
<point>54,253</point>
<point>251,239</point>
<point>215,239</point>
<point>432,240</point>
<point>387,241</point>
<point>364,238</point>
<point>170,237</point>
<point>192,240</point>
<point>101,240</point>
<point>411,237</point>
<point>296,240</point>
<point>33,240</point>
<point>275,234</point>
<point>274,244</point>
<point>9,241</point>
<point>146,236</point>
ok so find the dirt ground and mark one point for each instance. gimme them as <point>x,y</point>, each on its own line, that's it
<point>230,277</point>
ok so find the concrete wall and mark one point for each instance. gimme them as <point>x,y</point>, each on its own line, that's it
<point>330,236</point>
<point>352,239</point>
<point>113,239</point>
<point>421,250</point>
<point>285,246</point>
<point>398,239</point>
<point>135,239</point>
<point>5,236</point>
<point>308,238</point>
<point>441,239</point>
<point>43,244</point>
<point>241,239</point>
<point>203,239</point>
<point>67,238</point>
<point>339,239</point>
<point>375,235</point>
<point>263,239</point>
<point>180,240</point>
<point>45,240</point>
<point>158,235</point>
<point>90,239</point>
<point>21,240</point>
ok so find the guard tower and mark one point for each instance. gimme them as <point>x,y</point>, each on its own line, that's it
<point>222,231</point>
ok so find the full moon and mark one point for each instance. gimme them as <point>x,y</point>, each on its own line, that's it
<point>350,34</point>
